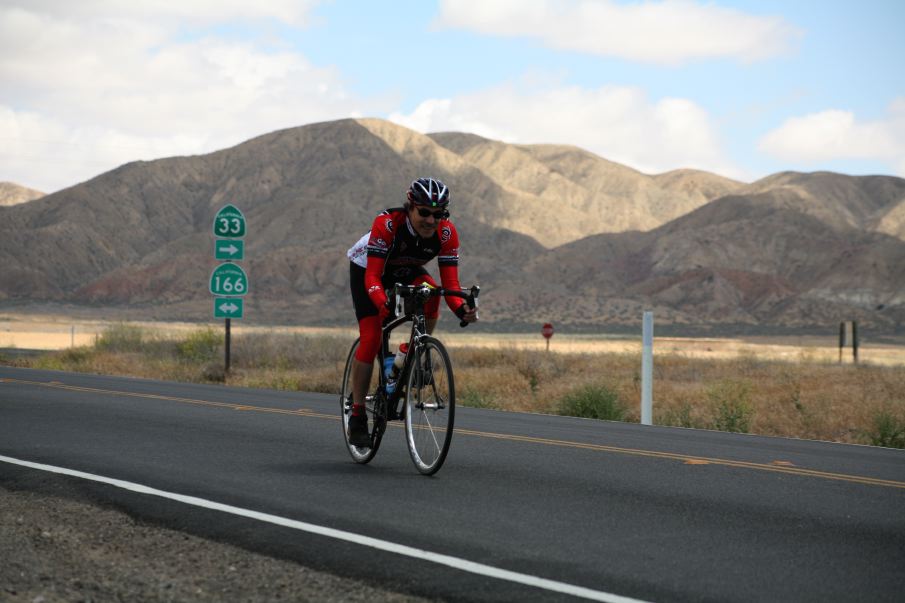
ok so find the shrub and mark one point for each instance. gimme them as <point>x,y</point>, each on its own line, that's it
<point>215,372</point>
<point>121,338</point>
<point>888,430</point>
<point>475,398</point>
<point>681,417</point>
<point>593,402</point>
<point>730,402</point>
<point>200,346</point>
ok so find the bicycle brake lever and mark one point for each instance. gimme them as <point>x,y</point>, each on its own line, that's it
<point>472,301</point>
<point>398,310</point>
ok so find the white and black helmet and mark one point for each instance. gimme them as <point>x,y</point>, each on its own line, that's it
<point>428,191</point>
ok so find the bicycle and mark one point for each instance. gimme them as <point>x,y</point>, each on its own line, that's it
<point>424,393</point>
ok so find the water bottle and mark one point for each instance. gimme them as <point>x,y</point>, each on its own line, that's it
<point>388,365</point>
<point>400,360</point>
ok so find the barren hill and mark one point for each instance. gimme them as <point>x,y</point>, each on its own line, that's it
<point>550,232</point>
<point>587,194</point>
<point>13,194</point>
<point>738,260</point>
<point>861,202</point>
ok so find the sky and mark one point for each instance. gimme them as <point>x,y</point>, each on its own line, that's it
<point>739,88</point>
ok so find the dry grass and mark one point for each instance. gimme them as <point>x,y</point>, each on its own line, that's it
<point>801,397</point>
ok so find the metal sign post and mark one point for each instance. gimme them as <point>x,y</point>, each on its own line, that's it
<point>228,281</point>
<point>843,339</point>
<point>647,368</point>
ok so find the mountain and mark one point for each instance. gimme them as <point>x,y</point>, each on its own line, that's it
<point>861,202</point>
<point>550,232</point>
<point>590,195</point>
<point>14,194</point>
<point>743,260</point>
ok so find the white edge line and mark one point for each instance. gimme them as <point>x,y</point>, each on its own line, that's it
<point>383,545</point>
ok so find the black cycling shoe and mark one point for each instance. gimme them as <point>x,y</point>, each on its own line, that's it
<point>358,431</point>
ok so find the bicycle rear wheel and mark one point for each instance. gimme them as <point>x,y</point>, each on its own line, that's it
<point>430,405</point>
<point>376,414</point>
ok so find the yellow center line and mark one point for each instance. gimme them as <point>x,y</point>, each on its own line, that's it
<point>688,459</point>
<point>58,385</point>
<point>696,460</point>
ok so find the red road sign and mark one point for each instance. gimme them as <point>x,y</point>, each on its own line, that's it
<point>547,330</point>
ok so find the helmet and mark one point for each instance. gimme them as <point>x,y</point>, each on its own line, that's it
<point>428,191</point>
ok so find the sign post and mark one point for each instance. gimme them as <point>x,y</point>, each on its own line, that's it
<point>647,368</point>
<point>547,332</point>
<point>228,282</point>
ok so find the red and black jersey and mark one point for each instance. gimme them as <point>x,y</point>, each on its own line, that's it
<point>392,242</point>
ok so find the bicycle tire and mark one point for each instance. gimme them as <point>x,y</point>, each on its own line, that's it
<point>430,405</point>
<point>376,417</point>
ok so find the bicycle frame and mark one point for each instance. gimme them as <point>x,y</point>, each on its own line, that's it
<point>419,330</point>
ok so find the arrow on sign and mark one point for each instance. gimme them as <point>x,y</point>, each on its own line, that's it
<point>228,308</point>
<point>231,250</point>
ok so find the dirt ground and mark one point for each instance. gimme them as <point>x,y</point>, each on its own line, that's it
<point>51,332</point>
<point>56,549</point>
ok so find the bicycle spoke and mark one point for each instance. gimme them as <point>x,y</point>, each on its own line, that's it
<point>431,430</point>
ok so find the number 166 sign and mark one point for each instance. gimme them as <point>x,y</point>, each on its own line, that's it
<point>229,279</point>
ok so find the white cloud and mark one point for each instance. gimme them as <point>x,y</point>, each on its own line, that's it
<point>618,123</point>
<point>293,12</point>
<point>668,32</point>
<point>90,85</point>
<point>837,134</point>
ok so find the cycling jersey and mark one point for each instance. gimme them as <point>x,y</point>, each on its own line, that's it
<point>392,246</point>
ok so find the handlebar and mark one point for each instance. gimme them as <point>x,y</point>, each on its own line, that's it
<point>425,291</point>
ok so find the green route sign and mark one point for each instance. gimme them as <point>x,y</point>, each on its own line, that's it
<point>229,223</point>
<point>229,279</point>
<point>228,307</point>
<point>229,249</point>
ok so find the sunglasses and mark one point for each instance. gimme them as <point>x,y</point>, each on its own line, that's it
<point>438,215</point>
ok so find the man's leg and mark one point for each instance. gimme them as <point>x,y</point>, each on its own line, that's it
<point>361,379</point>
<point>362,369</point>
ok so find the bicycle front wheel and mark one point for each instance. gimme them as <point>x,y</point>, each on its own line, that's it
<point>430,405</point>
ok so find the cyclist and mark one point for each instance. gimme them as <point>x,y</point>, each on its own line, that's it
<point>401,241</point>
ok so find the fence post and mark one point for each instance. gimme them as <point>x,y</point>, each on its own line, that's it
<point>855,341</point>
<point>647,368</point>
<point>841,340</point>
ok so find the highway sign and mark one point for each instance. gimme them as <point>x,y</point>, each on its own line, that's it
<point>229,279</point>
<point>229,223</point>
<point>228,307</point>
<point>229,249</point>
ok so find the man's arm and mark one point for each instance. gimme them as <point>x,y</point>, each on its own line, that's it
<point>449,271</point>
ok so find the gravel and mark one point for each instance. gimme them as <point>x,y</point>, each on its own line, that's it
<point>57,549</point>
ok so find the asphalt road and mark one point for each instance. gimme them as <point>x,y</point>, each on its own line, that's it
<point>620,510</point>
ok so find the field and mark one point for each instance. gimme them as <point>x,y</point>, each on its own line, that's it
<point>791,386</point>
<point>49,332</point>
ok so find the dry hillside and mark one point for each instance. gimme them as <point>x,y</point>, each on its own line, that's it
<point>14,194</point>
<point>550,232</point>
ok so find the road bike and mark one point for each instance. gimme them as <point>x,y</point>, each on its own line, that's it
<point>423,395</point>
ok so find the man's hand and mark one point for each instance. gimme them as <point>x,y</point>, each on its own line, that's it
<point>468,314</point>
<point>385,310</point>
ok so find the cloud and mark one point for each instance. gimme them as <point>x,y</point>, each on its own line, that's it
<point>838,134</point>
<point>670,32</point>
<point>620,124</point>
<point>292,12</point>
<point>90,85</point>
